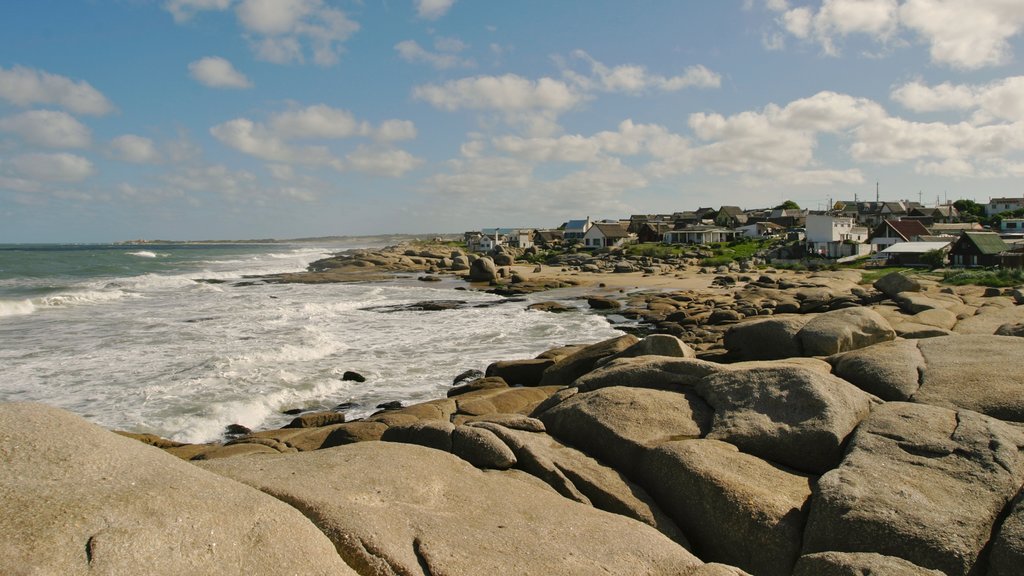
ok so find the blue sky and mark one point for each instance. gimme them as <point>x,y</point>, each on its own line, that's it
<point>220,119</point>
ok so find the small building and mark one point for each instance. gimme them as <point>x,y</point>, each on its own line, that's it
<point>761,230</point>
<point>1000,205</point>
<point>1011,226</point>
<point>701,234</point>
<point>652,232</point>
<point>548,238</point>
<point>730,217</point>
<point>576,229</point>
<point>955,228</point>
<point>890,232</point>
<point>836,236</point>
<point>977,249</point>
<point>945,213</point>
<point>909,253</point>
<point>606,235</point>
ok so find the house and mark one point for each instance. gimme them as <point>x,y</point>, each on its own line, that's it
<point>491,240</point>
<point>944,214</point>
<point>576,229</point>
<point>701,234</point>
<point>638,221</point>
<point>955,228</point>
<point>1011,226</point>
<point>653,232</point>
<point>761,230</point>
<point>1000,205</point>
<point>547,238</point>
<point>890,232</point>
<point>730,216</point>
<point>606,235</point>
<point>909,253</point>
<point>977,249</point>
<point>836,236</point>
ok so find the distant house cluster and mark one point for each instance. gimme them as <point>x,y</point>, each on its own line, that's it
<point>897,232</point>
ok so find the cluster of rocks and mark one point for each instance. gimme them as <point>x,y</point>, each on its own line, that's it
<point>839,439</point>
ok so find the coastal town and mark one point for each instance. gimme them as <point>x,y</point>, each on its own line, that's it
<point>899,233</point>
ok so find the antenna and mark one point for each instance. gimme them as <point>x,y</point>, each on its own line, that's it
<point>876,191</point>
<point>918,196</point>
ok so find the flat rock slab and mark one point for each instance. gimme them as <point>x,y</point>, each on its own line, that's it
<point>734,508</point>
<point>858,564</point>
<point>1007,555</point>
<point>567,369</point>
<point>921,483</point>
<point>658,372</point>
<point>989,319</point>
<point>890,370</point>
<point>78,499</point>
<point>618,424</point>
<point>767,338</point>
<point>976,372</point>
<point>842,330</point>
<point>405,509</point>
<point>789,415</point>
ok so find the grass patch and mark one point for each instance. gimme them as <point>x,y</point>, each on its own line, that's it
<point>657,250</point>
<point>870,276</point>
<point>1002,278</point>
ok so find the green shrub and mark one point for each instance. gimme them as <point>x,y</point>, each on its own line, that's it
<point>996,278</point>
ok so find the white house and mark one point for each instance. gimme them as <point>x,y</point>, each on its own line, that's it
<point>699,235</point>
<point>1012,226</point>
<point>836,236</point>
<point>761,230</point>
<point>605,234</point>
<point>999,205</point>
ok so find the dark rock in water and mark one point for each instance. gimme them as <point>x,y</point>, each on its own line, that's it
<point>478,384</point>
<point>344,406</point>
<point>317,419</point>
<point>550,307</point>
<point>425,306</point>
<point>602,303</point>
<point>429,279</point>
<point>292,411</point>
<point>471,374</point>
<point>350,376</point>
<point>236,430</point>
<point>393,405</point>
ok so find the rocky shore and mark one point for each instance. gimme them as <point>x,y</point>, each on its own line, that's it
<point>755,422</point>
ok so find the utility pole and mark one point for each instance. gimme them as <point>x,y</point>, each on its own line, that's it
<point>876,191</point>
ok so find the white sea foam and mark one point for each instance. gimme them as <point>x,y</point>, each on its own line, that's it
<point>143,254</point>
<point>16,307</point>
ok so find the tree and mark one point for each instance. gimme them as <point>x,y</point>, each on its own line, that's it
<point>969,209</point>
<point>934,258</point>
<point>788,205</point>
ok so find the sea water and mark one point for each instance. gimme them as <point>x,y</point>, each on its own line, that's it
<point>174,340</point>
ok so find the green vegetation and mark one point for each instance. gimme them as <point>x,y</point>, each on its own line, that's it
<point>870,276</point>
<point>1001,278</point>
<point>657,250</point>
<point>788,205</point>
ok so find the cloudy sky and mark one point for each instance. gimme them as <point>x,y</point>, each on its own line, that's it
<point>216,119</point>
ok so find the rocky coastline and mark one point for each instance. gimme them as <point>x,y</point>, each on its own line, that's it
<point>753,421</point>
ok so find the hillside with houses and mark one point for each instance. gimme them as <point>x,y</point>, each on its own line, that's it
<point>902,232</point>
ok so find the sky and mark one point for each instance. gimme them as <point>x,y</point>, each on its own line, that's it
<point>239,119</point>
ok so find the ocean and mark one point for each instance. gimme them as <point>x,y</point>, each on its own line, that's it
<point>138,338</point>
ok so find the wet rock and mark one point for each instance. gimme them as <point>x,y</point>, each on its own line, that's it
<point>317,419</point>
<point>520,372</point>
<point>350,376</point>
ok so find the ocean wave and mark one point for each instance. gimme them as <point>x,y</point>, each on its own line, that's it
<point>16,307</point>
<point>143,254</point>
<point>84,297</point>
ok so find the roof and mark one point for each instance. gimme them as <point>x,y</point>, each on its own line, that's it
<point>576,224</point>
<point>987,242</point>
<point>609,230</point>
<point>1006,201</point>
<point>731,210</point>
<point>955,227</point>
<point>914,247</point>
<point>907,229</point>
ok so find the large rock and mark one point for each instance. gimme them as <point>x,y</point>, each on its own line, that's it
<point>790,415</point>
<point>483,270</point>
<point>857,564</point>
<point>1007,556</point>
<point>564,371</point>
<point>766,339</point>
<point>481,448</point>
<point>734,508</point>
<point>976,372</point>
<point>659,372</point>
<point>405,509</point>
<point>893,283</point>
<point>618,424</point>
<point>919,482</point>
<point>916,302</point>
<point>889,370</point>
<point>842,330</point>
<point>520,372</point>
<point>77,499</point>
<point>654,345</point>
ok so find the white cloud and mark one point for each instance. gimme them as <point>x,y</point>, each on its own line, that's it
<point>961,34</point>
<point>317,121</point>
<point>23,86</point>
<point>432,9</point>
<point>446,57</point>
<point>134,149</point>
<point>386,162</point>
<point>281,26</point>
<point>183,10</point>
<point>531,105</point>
<point>895,140</point>
<point>52,167</point>
<point>254,139</point>
<point>48,128</point>
<point>216,72</point>
<point>966,35</point>
<point>217,179</point>
<point>395,130</point>
<point>999,100</point>
<point>634,79</point>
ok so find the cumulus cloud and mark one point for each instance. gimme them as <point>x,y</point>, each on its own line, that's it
<point>381,162</point>
<point>184,10</point>
<point>60,167</point>
<point>999,100</point>
<point>432,9</point>
<point>531,105</point>
<point>964,35</point>
<point>318,121</point>
<point>395,130</point>
<point>48,128</point>
<point>216,72</point>
<point>635,79</point>
<point>134,149</point>
<point>254,139</point>
<point>23,86</point>
<point>280,27</point>
<point>446,55</point>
